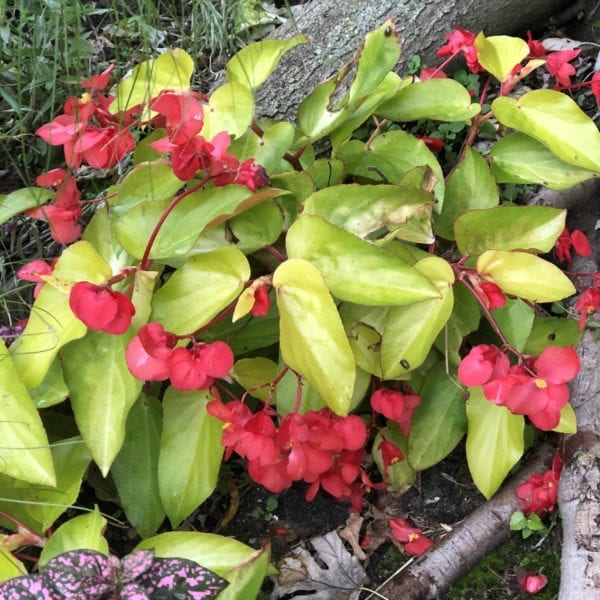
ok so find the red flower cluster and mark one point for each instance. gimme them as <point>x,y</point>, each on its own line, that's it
<point>414,541</point>
<point>540,492</point>
<point>183,117</point>
<point>319,448</point>
<point>557,64</point>
<point>101,308</point>
<point>576,240</point>
<point>395,406</point>
<point>587,304</point>
<point>151,356</point>
<point>87,130</point>
<point>538,388</point>
<point>462,41</point>
<point>390,455</point>
<point>64,212</point>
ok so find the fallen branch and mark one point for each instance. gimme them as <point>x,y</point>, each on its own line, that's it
<point>482,532</point>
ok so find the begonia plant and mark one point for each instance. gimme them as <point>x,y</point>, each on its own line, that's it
<point>236,292</point>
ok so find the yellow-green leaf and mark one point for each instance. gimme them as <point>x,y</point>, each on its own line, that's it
<point>499,54</point>
<point>525,275</point>
<point>555,120</point>
<point>252,64</point>
<point>312,338</point>
<point>568,420</point>
<point>494,441</point>
<point>24,450</point>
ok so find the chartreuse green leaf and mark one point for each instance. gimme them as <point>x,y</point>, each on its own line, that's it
<point>254,375</point>
<point>515,320</point>
<point>194,214</point>
<point>463,320</point>
<point>568,420</point>
<point>53,389</point>
<point>552,331</point>
<point>144,183</point>
<point>555,120</point>
<point>257,227</point>
<point>499,54</point>
<point>51,322</point>
<point>266,150</point>
<point>471,186</point>
<point>519,158</point>
<point>326,172</point>
<point>78,533</point>
<point>190,453</point>
<point>312,338</point>
<point>230,108</point>
<point>494,441</point>
<point>390,84</point>
<point>400,475</point>
<point>100,409</point>
<point>436,99</point>
<point>141,296</point>
<point>329,104</point>
<point>287,393</point>
<point>20,200</point>
<point>356,270</point>
<point>10,566</point>
<point>172,70</point>
<point>242,566</point>
<point>364,327</point>
<point>45,503</point>
<point>411,330</point>
<point>136,467</point>
<point>252,64</point>
<point>389,157</point>
<point>439,422</point>
<point>200,289</point>
<point>525,275</point>
<point>362,209</point>
<point>24,451</point>
<point>533,228</point>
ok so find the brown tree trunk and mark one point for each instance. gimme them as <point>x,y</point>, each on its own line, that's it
<point>336,28</point>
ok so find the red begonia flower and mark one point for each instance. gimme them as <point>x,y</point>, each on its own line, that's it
<point>587,304</point>
<point>395,406</point>
<point>539,493</point>
<point>147,353</point>
<point>483,363</point>
<point>390,454</point>
<point>414,541</point>
<point>542,396</point>
<point>36,271</point>
<point>461,40</point>
<point>261,301</point>
<point>595,85</point>
<point>434,144</point>
<point>195,368</point>
<point>64,212</point>
<point>183,114</point>
<point>493,295</point>
<point>432,73</point>
<point>531,583</point>
<point>557,64</point>
<point>98,82</point>
<point>576,240</point>
<point>100,308</point>
<point>536,48</point>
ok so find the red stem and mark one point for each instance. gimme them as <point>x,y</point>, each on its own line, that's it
<point>146,262</point>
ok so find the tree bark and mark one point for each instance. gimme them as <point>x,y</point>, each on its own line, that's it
<point>482,532</point>
<point>336,28</point>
